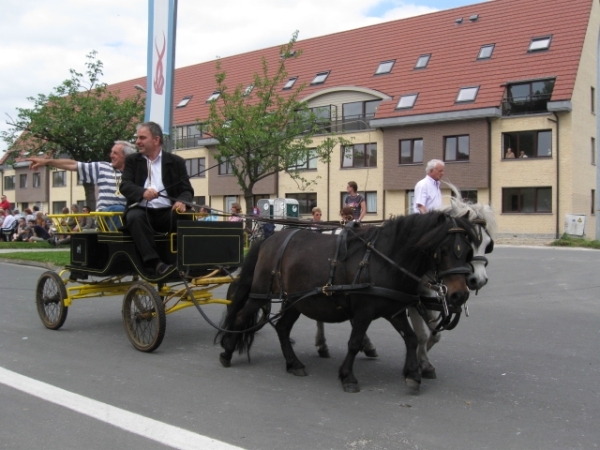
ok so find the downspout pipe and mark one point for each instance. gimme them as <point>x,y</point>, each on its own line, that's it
<point>489,124</point>
<point>597,205</point>
<point>557,233</point>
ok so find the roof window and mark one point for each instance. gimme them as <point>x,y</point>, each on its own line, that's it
<point>248,90</point>
<point>215,95</point>
<point>184,101</point>
<point>422,61</point>
<point>407,101</point>
<point>320,78</point>
<point>290,83</point>
<point>467,94</point>
<point>540,43</point>
<point>485,52</point>
<point>385,67</point>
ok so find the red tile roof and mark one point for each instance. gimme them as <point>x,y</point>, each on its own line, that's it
<point>353,56</point>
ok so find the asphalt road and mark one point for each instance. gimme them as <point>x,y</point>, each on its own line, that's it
<point>522,372</point>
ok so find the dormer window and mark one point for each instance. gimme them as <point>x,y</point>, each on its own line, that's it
<point>486,51</point>
<point>290,83</point>
<point>215,95</point>
<point>385,67</point>
<point>467,94</point>
<point>422,61</point>
<point>407,101</point>
<point>320,78</point>
<point>540,43</point>
<point>184,101</point>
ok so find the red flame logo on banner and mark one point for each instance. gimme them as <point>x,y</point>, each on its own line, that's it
<point>159,77</point>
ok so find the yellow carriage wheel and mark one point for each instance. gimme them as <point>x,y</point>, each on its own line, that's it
<point>144,316</point>
<point>50,294</point>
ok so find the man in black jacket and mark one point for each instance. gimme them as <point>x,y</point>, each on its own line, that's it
<point>157,186</point>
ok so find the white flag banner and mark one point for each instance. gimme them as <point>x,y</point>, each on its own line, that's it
<point>162,21</point>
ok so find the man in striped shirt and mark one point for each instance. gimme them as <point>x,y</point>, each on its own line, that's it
<point>107,176</point>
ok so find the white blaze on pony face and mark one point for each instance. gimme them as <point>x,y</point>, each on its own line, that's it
<point>479,278</point>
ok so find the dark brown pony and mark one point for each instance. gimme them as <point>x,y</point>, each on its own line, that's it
<point>366,274</point>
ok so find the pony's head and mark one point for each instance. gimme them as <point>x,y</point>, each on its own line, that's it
<point>450,249</point>
<point>484,221</point>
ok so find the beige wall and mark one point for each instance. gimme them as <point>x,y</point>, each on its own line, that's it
<point>531,172</point>
<point>330,180</point>
<point>578,176</point>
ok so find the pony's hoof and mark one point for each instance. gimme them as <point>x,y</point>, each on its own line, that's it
<point>324,353</point>
<point>224,361</point>
<point>371,353</point>
<point>412,385</point>
<point>352,388</point>
<point>298,371</point>
<point>429,374</point>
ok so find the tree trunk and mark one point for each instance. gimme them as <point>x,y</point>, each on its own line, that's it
<point>90,195</point>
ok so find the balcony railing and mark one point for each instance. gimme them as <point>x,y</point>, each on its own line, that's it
<point>525,105</point>
<point>188,141</point>
<point>346,125</point>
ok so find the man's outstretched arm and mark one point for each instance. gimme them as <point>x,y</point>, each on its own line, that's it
<point>64,164</point>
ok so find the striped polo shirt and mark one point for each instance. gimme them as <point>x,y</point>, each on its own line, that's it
<point>106,178</point>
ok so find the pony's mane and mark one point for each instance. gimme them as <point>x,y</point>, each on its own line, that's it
<point>459,208</point>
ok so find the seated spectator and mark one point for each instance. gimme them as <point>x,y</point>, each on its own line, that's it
<point>24,230</point>
<point>522,154</point>
<point>509,154</point>
<point>21,225</point>
<point>205,214</point>
<point>236,210</point>
<point>9,225</point>
<point>28,215</point>
<point>71,221</point>
<point>87,223</point>
<point>40,232</point>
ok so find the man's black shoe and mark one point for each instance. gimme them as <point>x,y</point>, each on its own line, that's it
<point>163,269</point>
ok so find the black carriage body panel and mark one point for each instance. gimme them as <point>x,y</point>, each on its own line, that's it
<point>196,247</point>
<point>203,245</point>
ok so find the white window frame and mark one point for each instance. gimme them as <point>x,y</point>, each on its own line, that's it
<point>467,94</point>
<point>407,101</point>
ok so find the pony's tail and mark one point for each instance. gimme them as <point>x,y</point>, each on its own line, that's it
<point>242,291</point>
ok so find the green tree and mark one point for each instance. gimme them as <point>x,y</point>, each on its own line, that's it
<point>80,118</point>
<point>261,132</point>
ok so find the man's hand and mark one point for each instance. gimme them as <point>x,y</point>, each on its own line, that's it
<point>36,163</point>
<point>150,194</point>
<point>179,207</point>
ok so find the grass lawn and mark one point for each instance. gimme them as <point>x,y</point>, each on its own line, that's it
<point>570,241</point>
<point>23,245</point>
<point>58,258</point>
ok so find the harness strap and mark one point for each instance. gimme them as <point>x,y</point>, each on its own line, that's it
<point>365,259</point>
<point>275,271</point>
<point>334,262</point>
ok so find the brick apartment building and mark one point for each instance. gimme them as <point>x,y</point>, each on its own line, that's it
<point>462,85</point>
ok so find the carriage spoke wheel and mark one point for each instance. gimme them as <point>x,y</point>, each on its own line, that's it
<point>144,316</point>
<point>50,294</point>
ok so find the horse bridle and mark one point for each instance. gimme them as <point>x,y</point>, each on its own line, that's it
<point>439,303</point>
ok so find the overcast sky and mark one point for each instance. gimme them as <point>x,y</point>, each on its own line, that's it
<point>41,39</point>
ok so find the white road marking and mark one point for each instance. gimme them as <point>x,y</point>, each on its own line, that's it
<point>169,435</point>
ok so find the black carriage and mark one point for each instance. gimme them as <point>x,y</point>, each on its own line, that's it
<point>105,263</point>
